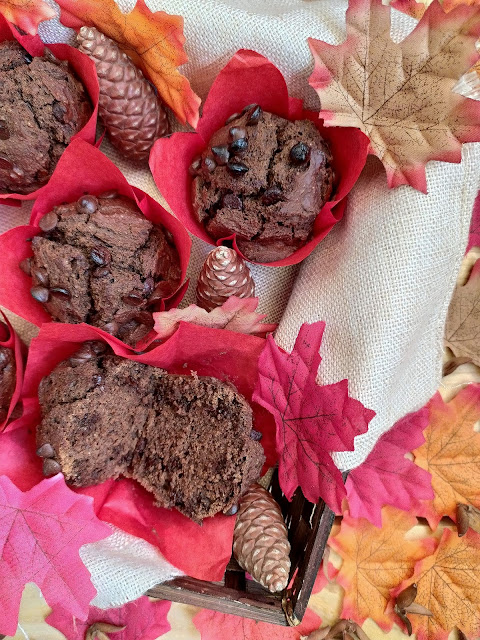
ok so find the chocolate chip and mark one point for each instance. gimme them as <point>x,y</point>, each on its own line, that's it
<point>237,169</point>
<point>232,201</point>
<point>41,294</point>
<point>233,117</point>
<point>4,131</point>
<point>46,451</point>
<point>232,511</point>
<point>100,256</point>
<point>97,380</point>
<point>248,107</point>
<point>255,435</point>
<point>84,354</point>
<point>48,222</point>
<point>51,467</point>
<point>41,276</point>
<point>60,292</point>
<point>194,168</point>
<point>87,204</point>
<point>59,112</point>
<point>107,195</point>
<point>221,154</point>
<point>27,57</point>
<point>110,327</point>
<point>5,163</point>
<point>26,266</point>
<point>272,196</point>
<point>17,173</point>
<point>210,164</point>
<point>133,299</point>
<point>254,116</point>
<point>299,154</point>
<point>237,132</point>
<point>162,290</point>
<point>238,146</point>
<point>101,272</point>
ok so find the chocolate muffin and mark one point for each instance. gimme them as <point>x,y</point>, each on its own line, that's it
<point>186,439</point>
<point>100,261</point>
<point>264,178</point>
<point>43,106</point>
<point>7,375</point>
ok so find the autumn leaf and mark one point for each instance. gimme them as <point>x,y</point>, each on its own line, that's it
<point>26,14</point>
<point>216,626</point>
<point>410,7</point>
<point>462,329</point>
<point>376,561</point>
<point>451,454</point>
<point>311,420</point>
<point>41,532</point>
<point>387,476</point>
<point>154,41</point>
<point>448,584</point>
<point>401,95</point>
<point>143,619</point>
<point>235,314</point>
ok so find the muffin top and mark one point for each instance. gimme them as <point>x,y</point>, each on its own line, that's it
<point>43,106</point>
<point>264,178</point>
<point>7,375</point>
<point>186,439</point>
<point>100,261</point>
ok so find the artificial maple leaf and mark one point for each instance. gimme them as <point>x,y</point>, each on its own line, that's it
<point>401,95</point>
<point>451,453</point>
<point>462,329</point>
<point>213,626</point>
<point>26,14</point>
<point>312,420</point>
<point>376,561</point>
<point>142,619</point>
<point>41,532</point>
<point>235,314</point>
<point>387,476</point>
<point>410,7</point>
<point>154,41</point>
<point>448,584</point>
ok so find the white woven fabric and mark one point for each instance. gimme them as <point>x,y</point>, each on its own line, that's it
<point>382,279</point>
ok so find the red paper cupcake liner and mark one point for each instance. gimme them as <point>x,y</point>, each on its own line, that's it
<point>200,551</point>
<point>251,78</point>
<point>81,169</point>
<point>86,73</point>
<point>13,342</point>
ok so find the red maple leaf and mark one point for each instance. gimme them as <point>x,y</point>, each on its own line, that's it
<point>312,420</point>
<point>219,626</point>
<point>143,619</point>
<point>386,476</point>
<point>26,14</point>
<point>41,532</point>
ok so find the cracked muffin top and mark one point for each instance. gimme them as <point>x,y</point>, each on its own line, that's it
<point>265,179</point>
<point>100,261</point>
<point>43,106</point>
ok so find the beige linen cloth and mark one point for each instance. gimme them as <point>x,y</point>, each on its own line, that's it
<point>381,280</point>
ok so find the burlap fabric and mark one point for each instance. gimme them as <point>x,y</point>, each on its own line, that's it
<point>381,280</point>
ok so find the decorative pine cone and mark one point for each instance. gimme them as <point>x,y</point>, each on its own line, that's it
<point>224,274</point>
<point>260,542</point>
<point>131,112</point>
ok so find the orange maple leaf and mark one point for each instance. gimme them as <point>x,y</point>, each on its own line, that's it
<point>448,584</point>
<point>451,454</point>
<point>375,561</point>
<point>400,94</point>
<point>26,14</point>
<point>154,41</point>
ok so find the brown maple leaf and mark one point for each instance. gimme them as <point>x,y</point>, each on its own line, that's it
<point>374,561</point>
<point>462,329</point>
<point>451,453</point>
<point>153,40</point>
<point>401,95</point>
<point>448,585</point>
<point>26,14</point>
